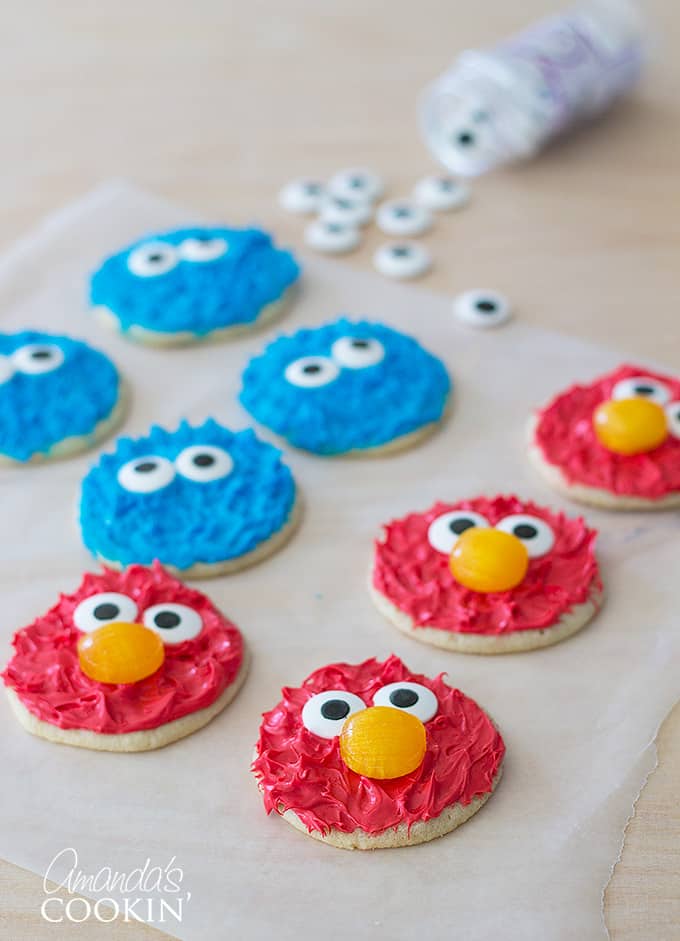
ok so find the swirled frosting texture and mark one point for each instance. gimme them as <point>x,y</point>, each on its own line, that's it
<point>187,521</point>
<point>299,771</point>
<point>196,296</point>
<point>566,438</point>
<point>416,578</point>
<point>360,408</point>
<point>46,676</point>
<point>38,410</point>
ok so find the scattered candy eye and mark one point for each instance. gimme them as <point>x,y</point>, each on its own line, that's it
<point>383,742</point>
<point>174,623</point>
<point>120,652</point>
<point>325,713</point>
<point>537,536</point>
<point>356,183</point>
<point>6,369</point>
<point>410,697</point>
<point>630,426</point>
<point>202,250</point>
<point>103,608</point>
<point>673,418</point>
<point>402,260</point>
<point>152,259</point>
<point>203,463</point>
<point>333,238</point>
<point>641,387</point>
<point>441,193</point>
<point>403,217</point>
<point>345,211</point>
<point>311,371</point>
<point>302,196</point>
<point>482,308</point>
<point>357,352</point>
<point>489,560</point>
<point>36,358</point>
<point>146,474</point>
<point>444,532</point>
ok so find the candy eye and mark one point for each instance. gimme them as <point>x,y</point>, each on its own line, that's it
<point>174,622</point>
<point>402,260</point>
<point>356,183</point>
<point>6,369</point>
<point>641,387</point>
<point>408,697</point>
<point>441,193</point>
<point>403,217</point>
<point>325,713</point>
<point>482,308</point>
<point>104,608</point>
<point>333,238</point>
<point>37,358</point>
<point>202,250</point>
<point>302,196</point>
<point>203,463</point>
<point>146,474</point>
<point>152,259</point>
<point>673,418</point>
<point>357,352</point>
<point>311,371</point>
<point>444,531</point>
<point>537,537</point>
<point>345,211</point>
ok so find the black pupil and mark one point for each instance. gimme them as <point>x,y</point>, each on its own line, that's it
<point>155,256</point>
<point>311,369</point>
<point>360,344</point>
<point>460,525</point>
<point>356,182</point>
<point>145,467</point>
<point>403,698</point>
<point>644,390</point>
<point>486,307</point>
<point>312,188</point>
<point>446,184</point>
<point>402,211</point>
<point>333,227</point>
<point>106,611</point>
<point>401,251</point>
<point>204,460</point>
<point>525,531</point>
<point>343,204</point>
<point>41,354</point>
<point>335,709</point>
<point>465,138</point>
<point>166,619</point>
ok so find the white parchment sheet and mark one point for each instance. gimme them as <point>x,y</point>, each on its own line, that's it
<point>578,718</point>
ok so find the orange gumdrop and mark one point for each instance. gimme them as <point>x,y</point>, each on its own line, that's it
<point>120,652</point>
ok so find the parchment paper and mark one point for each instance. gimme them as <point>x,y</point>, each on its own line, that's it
<point>578,718</point>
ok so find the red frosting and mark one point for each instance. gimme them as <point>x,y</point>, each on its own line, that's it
<point>564,433</point>
<point>302,772</point>
<point>45,673</point>
<point>417,579</point>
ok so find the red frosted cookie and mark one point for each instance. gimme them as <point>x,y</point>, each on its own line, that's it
<point>614,443</point>
<point>129,662</point>
<point>487,575</point>
<point>371,755</point>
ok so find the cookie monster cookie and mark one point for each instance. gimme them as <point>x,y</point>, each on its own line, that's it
<point>129,662</point>
<point>58,396</point>
<point>372,755</point>
<point>193,284</point>
<point>202,500</point>
<point>347,388</point>
<point>487,575</point>
<point>614,442</point>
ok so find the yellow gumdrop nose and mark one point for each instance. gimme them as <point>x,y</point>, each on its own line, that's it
<point>488,560</point>
<point>382,742</point>
<point>120,652</point>
<point>630,426</point>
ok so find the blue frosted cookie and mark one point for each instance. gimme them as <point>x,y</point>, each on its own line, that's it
<point>202,500</point>
<point>348,386</point>
<point>58,396</point>
<point>193,284</point>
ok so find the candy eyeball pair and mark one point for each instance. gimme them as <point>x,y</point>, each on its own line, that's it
<point>356,185</point>
<point>325,713</point>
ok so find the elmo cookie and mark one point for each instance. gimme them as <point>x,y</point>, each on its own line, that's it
<point>371,755</point>
<point>614,443</point>
<point>202,500</point>
<point>193,284</point>
<point>347,388</point>
<point>487,575</point>
<point>58,396</point>
<point>128,662</point>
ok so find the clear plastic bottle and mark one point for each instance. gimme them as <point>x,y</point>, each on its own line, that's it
<point>503,104</point>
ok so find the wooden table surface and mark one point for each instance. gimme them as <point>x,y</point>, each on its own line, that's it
<point>215,104</point>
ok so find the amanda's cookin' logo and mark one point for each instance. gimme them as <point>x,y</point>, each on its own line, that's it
<point>150,893</point>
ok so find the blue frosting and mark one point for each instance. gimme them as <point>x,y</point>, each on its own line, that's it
<point>198,297</point>
<point>187,522</point>
<point>361,408</point>
<point>37,411</point>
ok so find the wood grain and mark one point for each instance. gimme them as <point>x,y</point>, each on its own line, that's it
<point>216,104</point>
